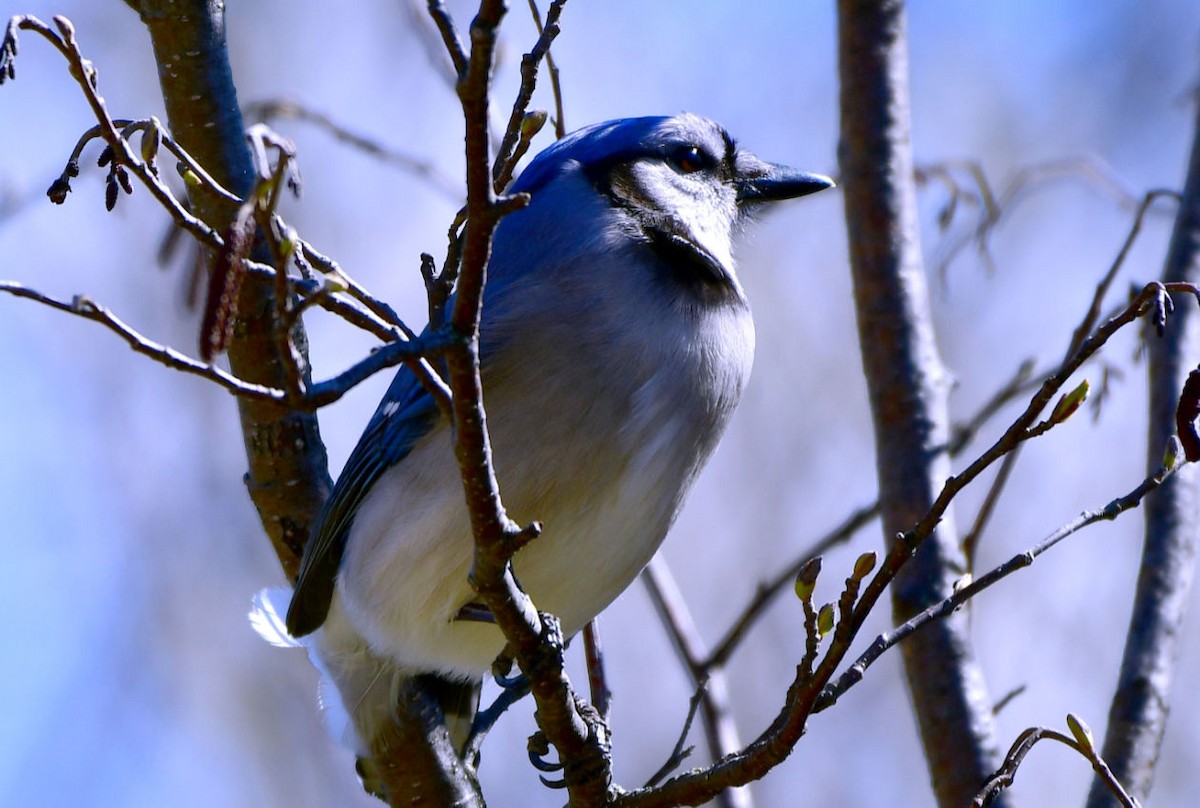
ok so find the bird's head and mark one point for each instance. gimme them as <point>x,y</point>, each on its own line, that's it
<point>679,184</point>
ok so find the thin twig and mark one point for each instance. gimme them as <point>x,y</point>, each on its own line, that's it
<point>996,206</point>
<point>1004,776</point>
<point>593,651</point>
<point>961,595</point>
<point>771,589</point>
<point>445,26</point>
<point>517,133</point>
<point>1093,313</point>
<point>560,124</point>
<point>970,540</point>
<point>680,753</point>
<point>720,730</point>
<point>88,309</point>
<point>270,109</point>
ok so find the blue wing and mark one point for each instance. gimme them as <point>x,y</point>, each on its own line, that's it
<point>406,413</point>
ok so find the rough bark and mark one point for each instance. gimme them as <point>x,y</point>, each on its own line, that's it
<point>907,387</point>
<point>288,477</point>
<point>1138,715</point>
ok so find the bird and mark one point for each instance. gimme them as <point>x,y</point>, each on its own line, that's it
<point>615,343</point>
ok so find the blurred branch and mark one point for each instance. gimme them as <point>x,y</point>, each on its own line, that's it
<point>681,752</point>
<point>720,730</point>
<point>1138,714</point>
<point>431,42</point>
<point>593,651</point>
<point>970,540</point>
<point>271,109</point>
<point>995,206</point>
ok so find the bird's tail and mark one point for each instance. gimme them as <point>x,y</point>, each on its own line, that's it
<point>268,607</point>
<point>358,689</point>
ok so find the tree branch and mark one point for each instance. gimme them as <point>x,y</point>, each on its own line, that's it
<point>711,690</point>
<point>907,387</point>
<point>88,309</point>
<point>1081,743</point>
<point>274,108</point>
<point>962,594</point>
<point>288,477</point>
<point>534,639</point>
<point>1138,714</point>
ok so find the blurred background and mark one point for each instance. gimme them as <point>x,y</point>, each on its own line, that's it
<point>130,675</point>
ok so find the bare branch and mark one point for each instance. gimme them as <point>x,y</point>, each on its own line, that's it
<point>574,728</point>
<point>711,688</point>
<point>88,309</point>
<point>593,651</point>
<point>769,591</point>
<point>962,594</point>
<point>271,109</point>
<point>115,134</point>
<point>523,126</point>
<point>313,397</point>
<point>1138,715</point>
<point>1081,743</point>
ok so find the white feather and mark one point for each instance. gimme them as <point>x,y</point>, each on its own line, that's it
<point>266,617</point>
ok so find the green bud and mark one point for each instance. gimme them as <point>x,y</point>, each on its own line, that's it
<point>151,140</point>
<point>532,123</point>
<point>825,620</point>
<point>190,178</point>
<point>806,579</point>
<point>1081,731</point>
<point>1171,454</point>
<point>335,282</point>
<point>1070,402</point>
<point>864,565</point>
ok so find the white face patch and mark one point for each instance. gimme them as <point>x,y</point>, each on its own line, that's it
<point>700,205</point>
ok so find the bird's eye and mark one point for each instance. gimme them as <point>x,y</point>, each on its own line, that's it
<point>688,159</point>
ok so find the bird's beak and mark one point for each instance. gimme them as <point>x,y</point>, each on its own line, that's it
<point>769,182</point>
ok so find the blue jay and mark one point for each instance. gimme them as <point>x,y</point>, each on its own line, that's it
<point>615,343</point>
